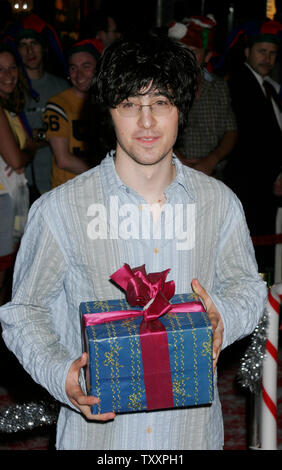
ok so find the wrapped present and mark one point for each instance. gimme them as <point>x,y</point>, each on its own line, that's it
<point>155,356</point>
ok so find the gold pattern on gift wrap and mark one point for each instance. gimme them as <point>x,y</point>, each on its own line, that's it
<point>99,306</point>
<point>114,366</point>
<point>178,388</point>
<point>134,401</point>
<point>195,364</point>
<point>194,296</point>
<point>135,398</point>
<point>97,376</point>
<point>209,342</point>
<point>128,322</point>
<point>206,347</point>
<point>181,368</point>
<point>111,358</point>
<point>178,382</point>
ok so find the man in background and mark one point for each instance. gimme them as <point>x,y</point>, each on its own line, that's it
<point>255,164</point>
<point>33,48</point>
<point>102,26</point>
<point>211,131</point>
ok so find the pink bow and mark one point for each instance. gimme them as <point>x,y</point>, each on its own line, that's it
<point>152,292</point>
<point>141,288</point>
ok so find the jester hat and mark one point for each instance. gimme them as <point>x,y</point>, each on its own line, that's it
<point>252,32</point>
<point>32,26</point>
<point>92,46</point>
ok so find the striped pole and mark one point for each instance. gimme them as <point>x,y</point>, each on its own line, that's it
<point>268,422</point>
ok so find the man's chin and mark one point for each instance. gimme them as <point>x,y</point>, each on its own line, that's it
<point>32,66</point>
<point>150,161</point>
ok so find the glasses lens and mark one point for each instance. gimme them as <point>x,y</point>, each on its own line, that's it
<point>158,108</point>
<point>128,109</point>
<point>161,107</point>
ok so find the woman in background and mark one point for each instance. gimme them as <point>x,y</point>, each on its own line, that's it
<point>16,150</point>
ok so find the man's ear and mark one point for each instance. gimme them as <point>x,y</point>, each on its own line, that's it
<point>247,52</point>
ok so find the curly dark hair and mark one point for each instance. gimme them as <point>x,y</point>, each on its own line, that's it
<point>147,62</point>
<point>16,100</point>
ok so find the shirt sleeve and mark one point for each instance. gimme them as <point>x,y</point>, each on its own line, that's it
<point>240,293</point>
<point>56,121</point>
<point>27,320</point>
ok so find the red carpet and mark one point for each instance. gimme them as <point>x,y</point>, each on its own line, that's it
<point>19,388</point>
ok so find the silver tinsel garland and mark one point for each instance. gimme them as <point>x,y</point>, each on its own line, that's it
<point>249,375</point>
<point>28,416</point>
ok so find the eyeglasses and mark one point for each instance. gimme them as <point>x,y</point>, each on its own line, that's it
<point>158,108</point>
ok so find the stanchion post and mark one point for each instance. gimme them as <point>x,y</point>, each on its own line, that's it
<point>268,417</point>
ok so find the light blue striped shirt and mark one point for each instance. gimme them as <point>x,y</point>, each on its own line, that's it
<point>60,264</point>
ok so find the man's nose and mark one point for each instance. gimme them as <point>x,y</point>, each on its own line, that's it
<point>29,48</point>
<point>8,73</point>
<point>79,73</point>
<point>145,117</point>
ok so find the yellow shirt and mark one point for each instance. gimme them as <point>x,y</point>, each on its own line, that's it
<point>66,116</point>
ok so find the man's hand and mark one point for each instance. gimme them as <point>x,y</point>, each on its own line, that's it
<point>77,397</point>
<point>205,165</point>
<point>214,317</point>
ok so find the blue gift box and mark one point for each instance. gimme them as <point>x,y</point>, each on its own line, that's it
<point>116,374</point>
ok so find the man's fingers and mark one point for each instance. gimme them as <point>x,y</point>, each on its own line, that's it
<point>214,317</point>
<point>76,395</point>
<point>200,291</point>
<point>81,361</point>
<point>217,342</point>
<point>81,399</point>
<point>84,403</point>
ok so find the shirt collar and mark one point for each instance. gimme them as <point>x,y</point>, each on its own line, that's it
<point>257,75</point>
<point>113,183</point>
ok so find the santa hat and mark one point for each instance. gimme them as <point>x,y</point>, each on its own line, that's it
<point>196,31</point>
<point>92,46</point>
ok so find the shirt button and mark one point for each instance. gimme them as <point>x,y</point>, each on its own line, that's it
<point>149,430</point>
<point>156,250</point>
<point>141,207</point>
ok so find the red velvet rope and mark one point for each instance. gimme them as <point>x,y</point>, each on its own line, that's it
<point>267,239</point>
<point>7,261</point>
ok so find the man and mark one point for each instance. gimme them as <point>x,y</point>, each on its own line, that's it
<point>32,47</point>
<point>66,117</point>
<point>146,86</point>
<point>100,25</point>
<point>256,161</point>
<point>211,132</point>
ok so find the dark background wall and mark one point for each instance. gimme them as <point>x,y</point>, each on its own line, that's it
<point>147,14</point>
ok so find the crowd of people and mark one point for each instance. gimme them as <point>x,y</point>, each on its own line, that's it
<point>46,134</point>
<point>183,134</point>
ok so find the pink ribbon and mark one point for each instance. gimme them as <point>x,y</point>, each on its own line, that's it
<point>104,317</point>
<point>141,287</point>
<point>152,292</point>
